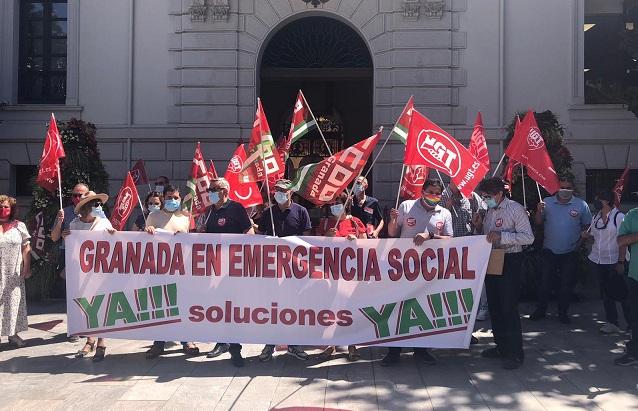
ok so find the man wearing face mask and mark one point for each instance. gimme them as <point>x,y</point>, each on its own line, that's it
<point>161,183</point>
<point>226,217</point>
<point>423,219</point>
<point>506,225</point>
<point>367,208</point>
<point>289,219</point>
<point>170,219</point>
<point>61,226</point>
<point>563,217</point>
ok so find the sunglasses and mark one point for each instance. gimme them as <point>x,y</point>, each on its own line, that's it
<point>96,204</point>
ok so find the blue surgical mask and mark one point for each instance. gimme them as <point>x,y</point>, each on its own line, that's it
<point>281,198</point>
<point>97,212</point>
<point>336,209</point>
<point>213,196</point>
<point>159,189</point>
<point>358,189</point>
<point>491,203</point>
<point>153,208</point>
<point>172,205</point>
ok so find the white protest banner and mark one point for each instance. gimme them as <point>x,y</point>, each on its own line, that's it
<point>257,289</point>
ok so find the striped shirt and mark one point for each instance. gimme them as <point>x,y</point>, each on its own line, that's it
<point>605,249</point>
<point>511,220</point>
<point>462,210</point>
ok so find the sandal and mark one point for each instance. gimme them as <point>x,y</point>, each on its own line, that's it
<point>88,348</point>
<point>353,353</point>
<point>100,351</point>
<point>190,349</point>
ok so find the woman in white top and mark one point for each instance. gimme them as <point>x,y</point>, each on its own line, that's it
<point>91,217</point>
<point>607,260</point>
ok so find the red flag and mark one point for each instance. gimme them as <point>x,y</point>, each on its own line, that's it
<point>196,201</point>
<point>412,182</point>
<point>244,192</point>
<point>478,145</point>
<point>125,203</point>
<point>138,172</point>
<point>321,182</point>
<point>431,146</point>
<point>509,171</point>
<point>528,147</point>
<point>212,173</point>
<point>619,188</point>
<point>50,161</point>
<point>262,152</point>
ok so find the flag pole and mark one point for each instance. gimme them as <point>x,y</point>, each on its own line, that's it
<point>396,205</point>
<point>378,154</point>
<point>498,165</point>
<point>538,188</point>
<point>316,122</point>
<point>142,207</point>
<point>60,185</point>
<point>445,188</point>
<point>348,193</point>
<point>523,181</point>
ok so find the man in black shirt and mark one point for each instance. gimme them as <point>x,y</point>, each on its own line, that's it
<point>289,219</point>
<point>230,217</point>
<point>367,208</point>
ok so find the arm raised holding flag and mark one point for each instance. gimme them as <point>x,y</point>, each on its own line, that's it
<point>49,173</point>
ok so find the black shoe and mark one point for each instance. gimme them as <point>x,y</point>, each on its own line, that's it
<point>425,357</point>
<point>474,340</point>
<point>190,351</point>
<point>564,318</point>
<point>537,315</point>
<point>493,352</point>
<point>237,359</point>
<point>154,352</point>
<point>297,352</point>
<point>266,353</point>
<point>99,354</point>
<point>220,348</point>
<point>390,359</point>
<point>512,363</point>
<point>626,359</point>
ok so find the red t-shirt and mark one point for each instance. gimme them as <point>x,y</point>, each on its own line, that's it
<point>346,226</point>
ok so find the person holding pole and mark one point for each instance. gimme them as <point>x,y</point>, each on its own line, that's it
<point>563,217</point>
<point>226,217</point>
<point>367,208</point>
<point>153,202</point>
<point>506,226</point>
<point>422,220</point>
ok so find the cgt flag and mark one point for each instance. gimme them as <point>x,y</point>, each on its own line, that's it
<point>53,151</point>
<point>196,201</point>
<point>125,203</point>
<point>619,188</point>
<point>400,130</point>
<point>263,157</point>
<point>244,192</point>
<point>431,146</point>
<point>321,182</point>
<point>412,183</point>
<point>138,172</point>
<point>528,147</point>
<point>478,145</point>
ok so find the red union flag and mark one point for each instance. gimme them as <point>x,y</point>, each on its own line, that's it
<point>478,145</point>
<point>263,158</point>
<point>138,172</point>
<point>196,201</point>
<point>509,172</point>
<point>431,146</point>
<point>50,159</point>
<point>412,182</point>
<point>619,188</point>
<point>528,147</point>
<point>319,183</point>
<point>244,192</point>
<point>212,173</point>
<point>125,203</point>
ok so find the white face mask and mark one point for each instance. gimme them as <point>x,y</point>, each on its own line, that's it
<point>281,198</point>
<point>97,212</point>
<point>159,189</point>
<point>153,208</point>
<point>336,209</point>
<point>358,188</point>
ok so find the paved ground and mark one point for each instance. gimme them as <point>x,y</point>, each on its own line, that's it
<point>565,367</point>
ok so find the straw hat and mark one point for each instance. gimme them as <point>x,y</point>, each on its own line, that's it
<point>89,196</point>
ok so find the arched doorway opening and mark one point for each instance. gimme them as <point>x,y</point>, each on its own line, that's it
<point>331,63</point>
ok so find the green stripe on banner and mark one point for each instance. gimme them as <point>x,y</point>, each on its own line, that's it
<point>400,133</point>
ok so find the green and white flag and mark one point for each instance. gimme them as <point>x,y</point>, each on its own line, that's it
<point>400,130</point>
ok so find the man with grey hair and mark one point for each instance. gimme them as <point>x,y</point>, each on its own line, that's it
<point>226,217</point>
<point>367,208</point>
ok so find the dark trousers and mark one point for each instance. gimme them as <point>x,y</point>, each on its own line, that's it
<point>502,300</point>
<point>604,272</point>
<point>161,344</point>
<point>562,267</point>
<point>397,351</point>
<point>632,346</point>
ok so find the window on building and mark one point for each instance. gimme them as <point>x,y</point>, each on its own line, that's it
<point>24,175</point>
<point>611,52</point>
<point>43,39</point>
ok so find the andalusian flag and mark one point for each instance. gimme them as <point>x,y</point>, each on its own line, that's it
<point>400,130</point>
<point>263,157</point>
<point>302,123</point>
<point>321,182</point>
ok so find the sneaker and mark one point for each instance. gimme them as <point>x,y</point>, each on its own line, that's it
<point>390,359</point>
<point>493,352</point>
<point>237,359</point>
<point>483,313</point>
<point>297,352</point>
<point>626,359</point>
<point>266,353</point>
<point>537,315</point>
<point>425,357</point>
<point>219,349</point>
<point>609,328</point>
<point>511,363</point>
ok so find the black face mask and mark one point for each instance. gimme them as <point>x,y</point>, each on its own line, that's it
<point>598,205</point>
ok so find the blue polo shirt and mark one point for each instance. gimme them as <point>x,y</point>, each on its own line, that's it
<point>564,223</point>
<point>292,221</point>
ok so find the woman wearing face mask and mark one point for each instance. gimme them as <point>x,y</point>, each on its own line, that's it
<point>154,202</point>
<point>344,225</point>
<point>607,259</point>
<point>15,267</point>
<point>89,209</point>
